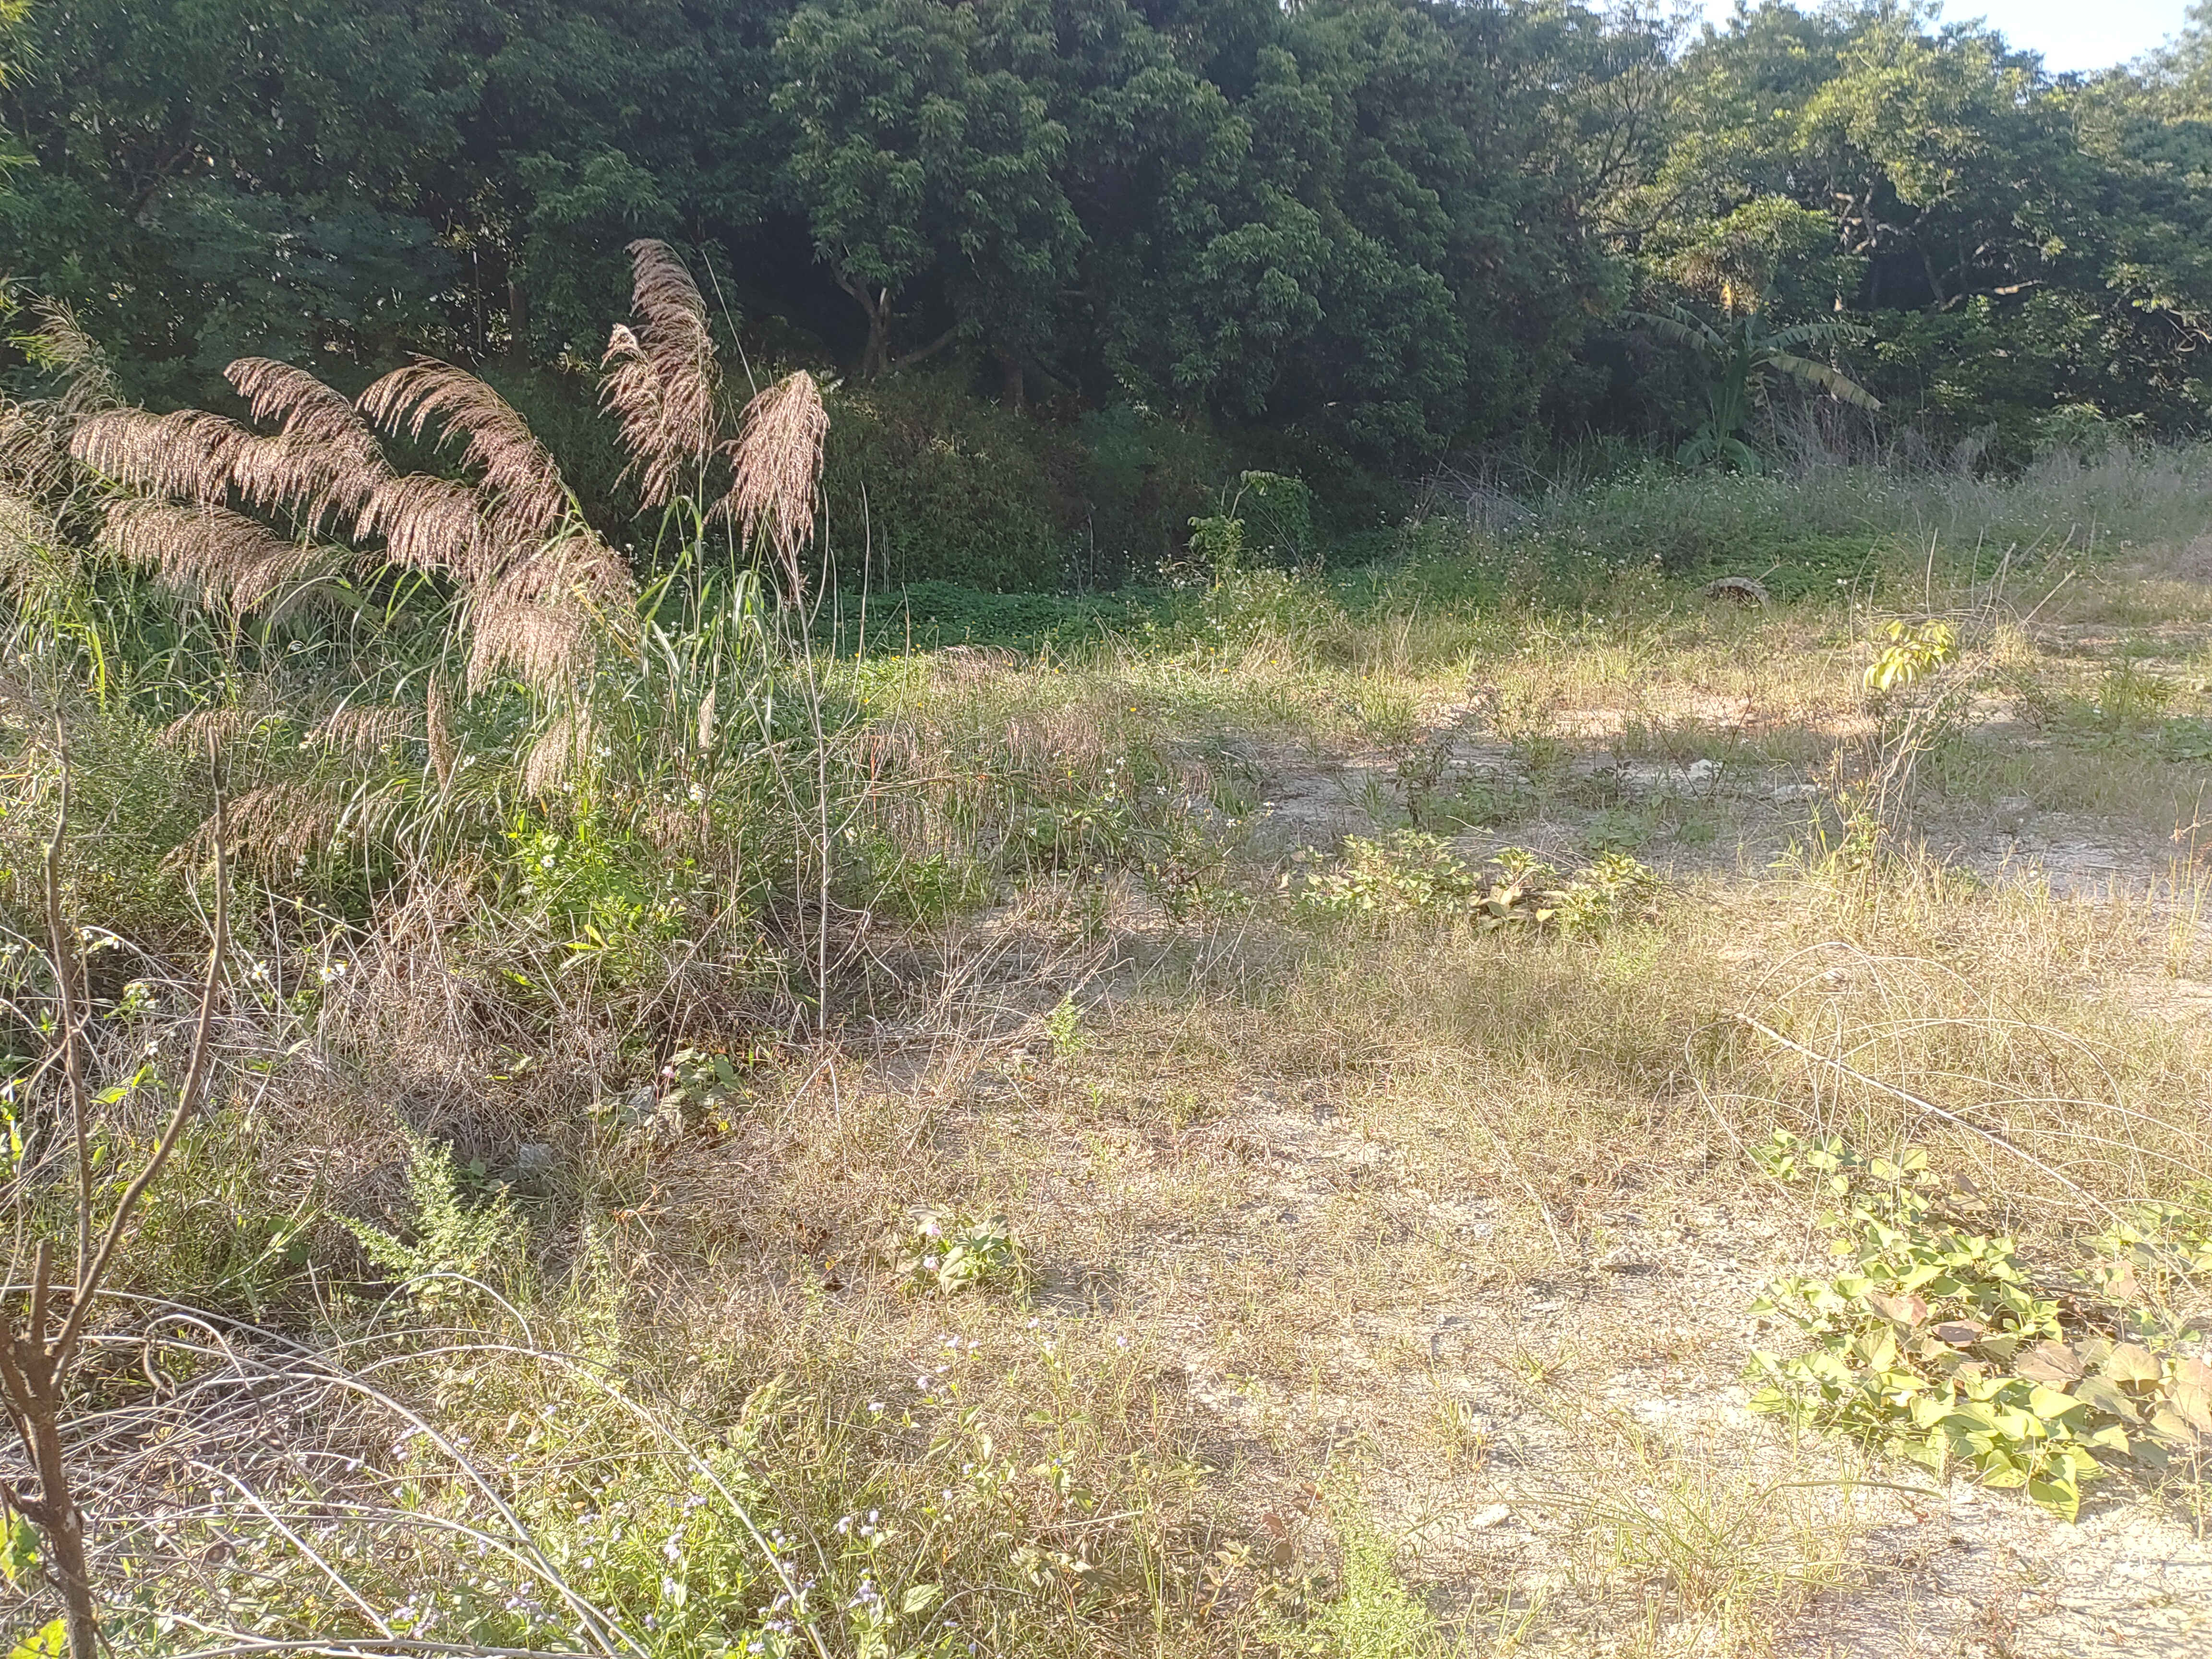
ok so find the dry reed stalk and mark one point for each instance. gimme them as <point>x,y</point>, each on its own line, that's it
<point>364,731</point>
<point>445,753</point>
<point>220,556</point>
<point>664,384</point>
<point>777,461</point>
<point>323,458</point>
<point>516,468</point>
<point>186,456</point>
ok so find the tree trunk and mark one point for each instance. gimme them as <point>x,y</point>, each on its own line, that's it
<point>879,334</point>
<point>64,1537</point>
<point>875,303</point>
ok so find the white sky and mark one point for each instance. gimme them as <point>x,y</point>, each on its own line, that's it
<point>2071,35</point>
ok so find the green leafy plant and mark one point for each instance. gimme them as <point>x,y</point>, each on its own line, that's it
<point>1063,1026</point>
<point>1372,1614</point>
<point>451,1240</point>
<point>19,1549</point>
<point>948,1251</point>
<point>1913,653</point>
<point>1410,872</point>
<point>1942,1342</point>
<point>699,1087</point>
<point>1738,355</point>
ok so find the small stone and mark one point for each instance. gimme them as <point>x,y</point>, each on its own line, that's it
<point>1739,590</point>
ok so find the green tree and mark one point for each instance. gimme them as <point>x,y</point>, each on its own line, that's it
<point>923,150</point>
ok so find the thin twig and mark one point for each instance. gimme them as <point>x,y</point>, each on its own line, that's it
<point>66,1012</point>
<point>1928,1106</point>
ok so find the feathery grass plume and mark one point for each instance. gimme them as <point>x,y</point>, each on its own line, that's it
<point>559,753</point>
<point>535,621</point>
<point>445,753</point>
<point>61,346</point>
<point>516,468</point>
<point>544,639</point>
<point>227,726</point>
<point>664,385</point>
<point>39,567</point>
<point>275,826</point>
<point>223,557</point>
<point>322,457</point>
<point>777,461</point>
<point>365,731</point>
<point>186,456</point>
<point>33,448</point>
<point>428,523</point>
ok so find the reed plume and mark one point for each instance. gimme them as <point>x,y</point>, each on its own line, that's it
<point>428,523</point>
<point>34,434</point>
<point>535,620</point>
<point>363,731</point>
<point>39,567</point>
<point>777,461</point>
<point>186,456</point>
<point>278,824</point>
<point>220,557</point>
<point>445,753</point>
<point>666,379</point>
<point>61,345</point>
<point>515,467</point>
<point>226,727</point>
<point>560,753</point>
<point>322,460</point>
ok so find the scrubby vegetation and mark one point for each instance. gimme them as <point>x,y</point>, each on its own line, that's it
<point>735,1126</point>
<point>1360,829</point>
<point>1073,266</point>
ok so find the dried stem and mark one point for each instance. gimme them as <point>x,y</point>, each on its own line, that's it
<point>65,987</point>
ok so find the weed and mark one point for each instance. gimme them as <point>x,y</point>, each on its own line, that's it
<point>1371,1614</point>
<point>1063,1026</point>
<point>1411,873</point>
<point>948,1251</point>
<point>451,1250</point>
<point>1943,1344</point>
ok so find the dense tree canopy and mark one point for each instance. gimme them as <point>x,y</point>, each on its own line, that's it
<point>1355,233</point>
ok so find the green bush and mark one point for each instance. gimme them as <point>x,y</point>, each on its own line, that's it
<point>927,482</point>
<point>1412,873</point>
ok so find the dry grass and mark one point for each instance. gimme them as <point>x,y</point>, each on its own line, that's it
<point>1402,1244</point>
<point>776,463</point>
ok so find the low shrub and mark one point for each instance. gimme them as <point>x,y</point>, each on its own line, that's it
<point>1946,1344</point>
<point>1412,873</point>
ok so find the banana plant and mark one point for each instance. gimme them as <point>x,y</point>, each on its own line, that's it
<point>1738,355</point>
